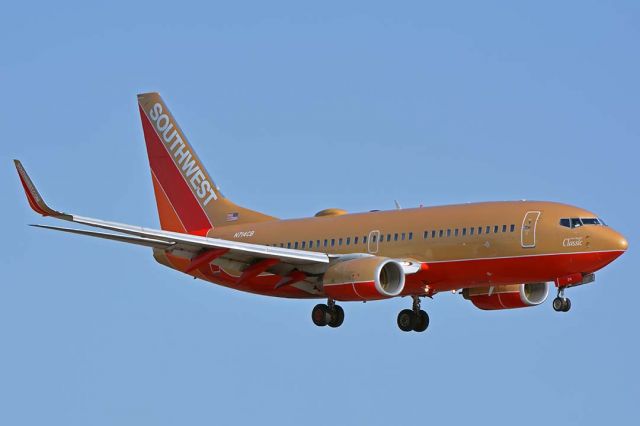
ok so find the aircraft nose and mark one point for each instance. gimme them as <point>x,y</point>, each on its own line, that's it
<point>618,241</point>
<point>623,244</point>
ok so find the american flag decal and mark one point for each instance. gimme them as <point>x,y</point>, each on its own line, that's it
<point>232,216</point>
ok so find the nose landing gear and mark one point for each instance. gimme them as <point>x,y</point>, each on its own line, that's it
<point>329,314</point>
<point>561,303</point>
<point>413,319</point>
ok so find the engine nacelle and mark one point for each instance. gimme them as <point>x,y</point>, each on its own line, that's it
<point>507,296</point>
<point>364,278</point>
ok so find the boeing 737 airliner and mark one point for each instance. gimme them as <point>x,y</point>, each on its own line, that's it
<point>499,255</point>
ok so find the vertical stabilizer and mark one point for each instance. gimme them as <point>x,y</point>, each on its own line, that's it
<point>186,196</point>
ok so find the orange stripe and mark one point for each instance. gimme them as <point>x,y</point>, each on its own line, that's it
<point>169,220</point>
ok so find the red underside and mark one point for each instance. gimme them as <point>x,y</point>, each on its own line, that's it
<point>353,291</point>
<point>445,276</point>
<point>499,301</point>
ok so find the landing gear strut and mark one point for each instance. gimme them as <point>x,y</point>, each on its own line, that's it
<point>329,314</point>
<point>561,303</point>
<point>413,319</point>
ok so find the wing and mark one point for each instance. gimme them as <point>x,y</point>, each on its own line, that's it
<point>200,250</point>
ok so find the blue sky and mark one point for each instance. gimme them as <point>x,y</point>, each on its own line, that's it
<point>295,107</point>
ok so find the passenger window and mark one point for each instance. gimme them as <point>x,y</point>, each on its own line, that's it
<point>488,230</point>
<point>288,245</point>
<point>317,243</point>
<point>472,230</point>
<point>333,242</point>
<point>448,232</point>
<point>441,233</point>
<point>504,228</point>
<point>348,240</point>
<point>464,231</point>
<point>565,222</point>
<point>410,235</point>
<point>495,229</point>
<point>433,234</point>
<point>455,233</point>
<point>311,244</point>
<point>325,242</point>
<point>282,245</point>
<point>513,228</point>
<point>388,237</point>
<point>364,239</point>
<point>479,230</point>
<point>403,236</point>
<point>425,235</point>
<point>304,243</point>
<point>355,240</point>
<point>395,237</point>
<point>295,245</point>
<point>374,238</point>
<point>339,241</point>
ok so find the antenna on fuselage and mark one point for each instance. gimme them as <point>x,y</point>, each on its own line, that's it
<point>397,205</point>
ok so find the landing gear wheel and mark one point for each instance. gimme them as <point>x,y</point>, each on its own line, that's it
<point>407,320</point>
<point>320,315</point>
<point>561,304</point>
<point>337,316</point>
<point>422,322</point>
<point>558,304</point>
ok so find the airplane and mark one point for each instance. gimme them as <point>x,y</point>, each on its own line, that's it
<point>497,255</point>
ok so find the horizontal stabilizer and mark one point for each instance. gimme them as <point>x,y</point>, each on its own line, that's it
<point>148,242</point>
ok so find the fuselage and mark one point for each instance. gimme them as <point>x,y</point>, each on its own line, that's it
<point>462,246</point>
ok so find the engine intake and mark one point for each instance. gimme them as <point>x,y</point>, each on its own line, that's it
<point>364,278</point>
<point>507,296</point>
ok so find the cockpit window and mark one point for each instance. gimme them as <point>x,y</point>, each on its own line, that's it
<point>576,222</point>
<point>590,221</point>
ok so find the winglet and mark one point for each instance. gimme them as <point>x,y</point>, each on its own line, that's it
<point>33,196</point>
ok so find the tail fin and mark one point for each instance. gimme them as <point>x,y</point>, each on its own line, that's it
<point>187,198</point>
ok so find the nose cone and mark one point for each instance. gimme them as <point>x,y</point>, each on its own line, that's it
<point>618,241</point>
<point>623,244</point>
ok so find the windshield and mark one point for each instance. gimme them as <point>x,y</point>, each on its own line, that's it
<point>576,222</point>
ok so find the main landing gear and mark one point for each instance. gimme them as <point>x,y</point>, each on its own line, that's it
<point>329,314</point>
<point>561,303</point>
<point>413,319</point>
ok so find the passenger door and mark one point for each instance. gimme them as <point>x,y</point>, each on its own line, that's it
<point>528,232</point>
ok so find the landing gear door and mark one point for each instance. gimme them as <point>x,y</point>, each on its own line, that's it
<point>528,233</point>
<point>372,243</point>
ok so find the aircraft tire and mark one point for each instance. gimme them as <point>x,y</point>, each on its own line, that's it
<point>566,305</point>
<point>558,304</point>
<point>337,317</point>
<point>422,322</point>
<point>320,315</point>
<point>407,320</point>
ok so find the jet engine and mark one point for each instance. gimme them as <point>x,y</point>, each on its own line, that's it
<point>364,278</point>
<point>507,296</point>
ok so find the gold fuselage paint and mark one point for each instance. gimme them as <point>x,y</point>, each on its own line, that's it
<point>466,245</point>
